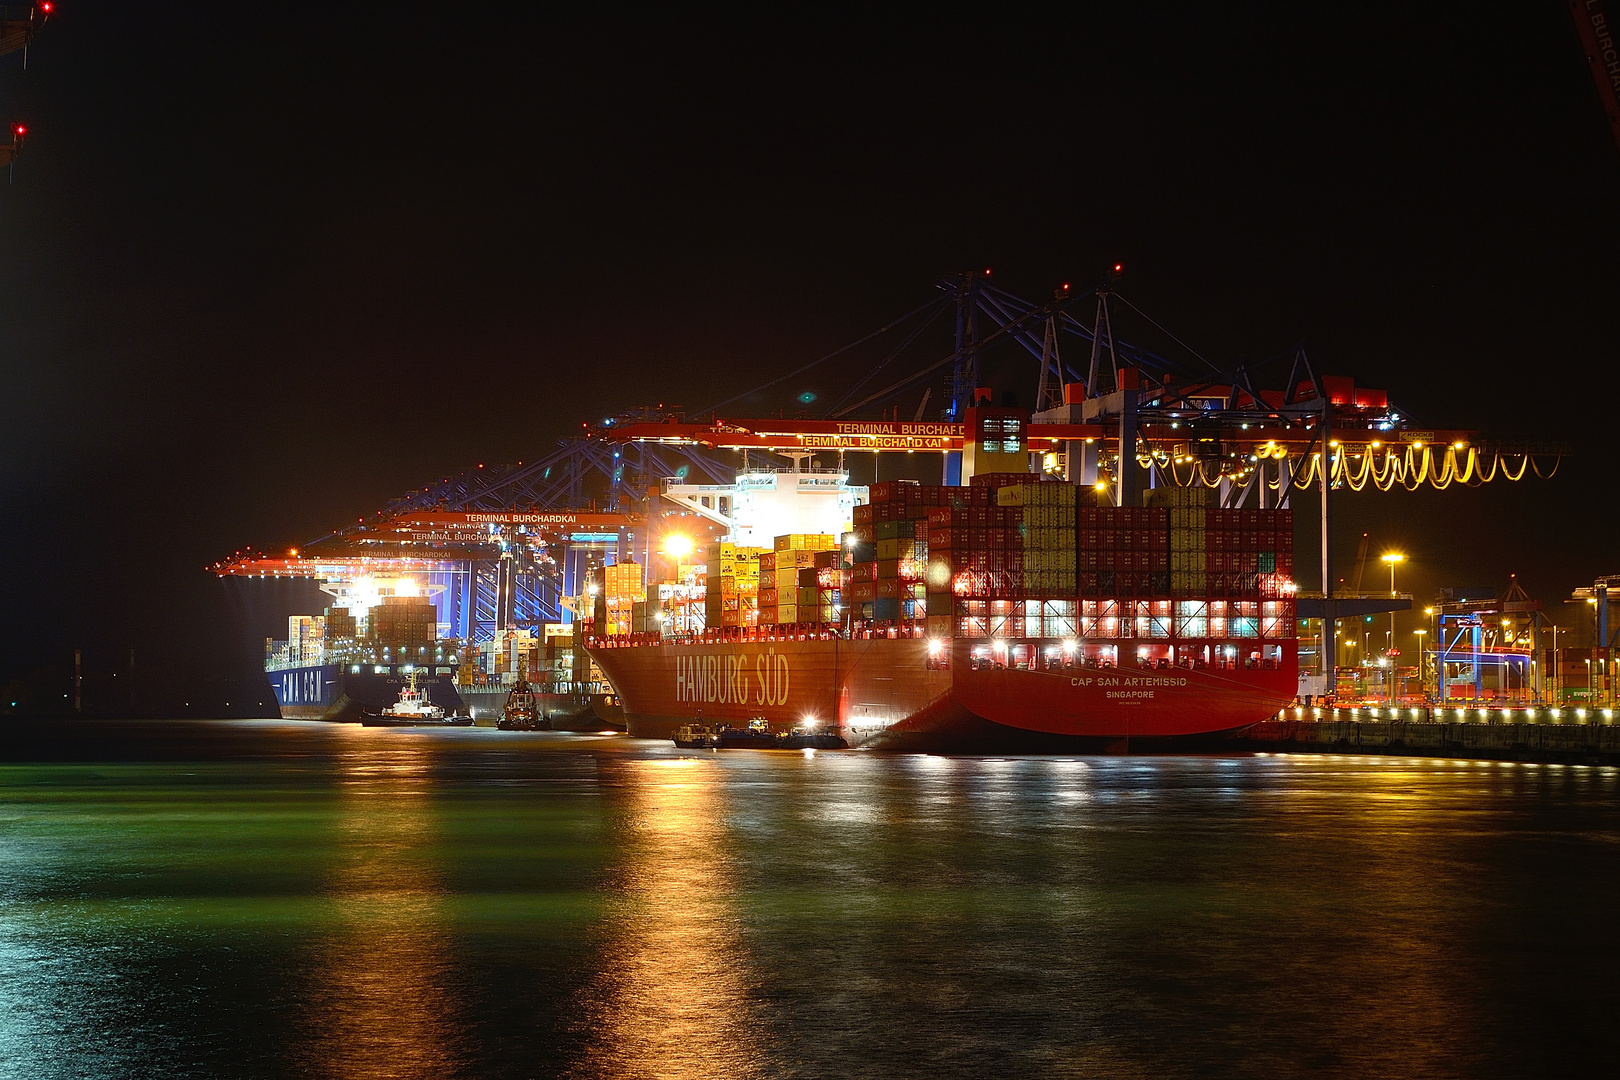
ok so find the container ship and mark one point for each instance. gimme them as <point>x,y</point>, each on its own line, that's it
<point>357,656</point>
<point>339,665</point>
<point>1010,614</point>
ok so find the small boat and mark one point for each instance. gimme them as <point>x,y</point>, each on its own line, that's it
<point>696,737</point>
<point>756,736</point>
<point>521,712</point>
<point>803,738</point>
<point>413,709</point>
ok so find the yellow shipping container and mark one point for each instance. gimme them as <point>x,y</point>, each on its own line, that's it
<point>806,542</point>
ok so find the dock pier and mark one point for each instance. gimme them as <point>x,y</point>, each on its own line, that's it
<point>1572,736</point>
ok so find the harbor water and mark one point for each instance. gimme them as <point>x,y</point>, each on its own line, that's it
<point>268,898</point>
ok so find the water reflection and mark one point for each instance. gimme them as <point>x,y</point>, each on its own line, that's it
<point>670,998</point>
<point>380,1003</point>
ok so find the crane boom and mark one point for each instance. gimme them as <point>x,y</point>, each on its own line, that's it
<point>17,31</point>
<point>1361,565</point>
<point>1602,56</point>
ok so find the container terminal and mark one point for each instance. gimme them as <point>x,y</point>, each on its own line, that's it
<point>1114,568</point>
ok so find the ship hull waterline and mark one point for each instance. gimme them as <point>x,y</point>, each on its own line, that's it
<point>885,693</point>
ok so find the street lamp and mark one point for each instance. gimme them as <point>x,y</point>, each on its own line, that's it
<point>1423,681</point>
<point>1392,557</point>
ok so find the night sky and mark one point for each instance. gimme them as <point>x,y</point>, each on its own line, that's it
<point>262,268</point>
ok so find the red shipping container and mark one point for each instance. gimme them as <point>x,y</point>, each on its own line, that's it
<point>888,587</point>
<point>939,539</point>
<point>863,534</point>
<point>881,492</point>
<point>863,514</point>
<point>862,592</point>
<point>884,511</point>
<point>863,571</point>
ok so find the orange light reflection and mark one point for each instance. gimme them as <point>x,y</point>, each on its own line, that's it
<point>671,998</point>
<point>380,1004</point>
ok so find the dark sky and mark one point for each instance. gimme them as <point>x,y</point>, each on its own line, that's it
<point>262,268</point>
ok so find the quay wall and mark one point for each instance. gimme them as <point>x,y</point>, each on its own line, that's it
<point>1594,738</point>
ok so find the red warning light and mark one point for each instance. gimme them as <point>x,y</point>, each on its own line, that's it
<point>1065,286</point>
<point>1118,267</point>
<point>987,271</point>
<point>20,130</point>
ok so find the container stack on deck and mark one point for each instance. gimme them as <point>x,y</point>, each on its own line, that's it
<point>623,592</point>
<point>789,590</point>
<point>888,546</point>
<point>731,596</point>
<point>1015,556</point>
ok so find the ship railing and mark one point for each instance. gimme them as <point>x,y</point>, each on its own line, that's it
<point>766,635</point>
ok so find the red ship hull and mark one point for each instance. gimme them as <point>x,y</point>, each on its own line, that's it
<point>887,693</point>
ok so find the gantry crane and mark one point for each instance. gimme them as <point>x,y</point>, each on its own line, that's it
<point>17,32</point>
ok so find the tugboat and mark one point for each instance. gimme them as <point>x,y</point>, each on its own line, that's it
<point>696,737</point>
<point>520,713</point>
<point>808,738</point>
<point>756,736</point>
<point>413,709</point>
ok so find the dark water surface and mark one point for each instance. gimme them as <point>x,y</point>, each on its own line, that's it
<point>202,899</point>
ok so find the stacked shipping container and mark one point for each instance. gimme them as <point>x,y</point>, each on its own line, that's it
<point>622,591</point>
<point>731,592</point>
<point>403,622</point>
<point>1015,557</point>
<point>789,589</point>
